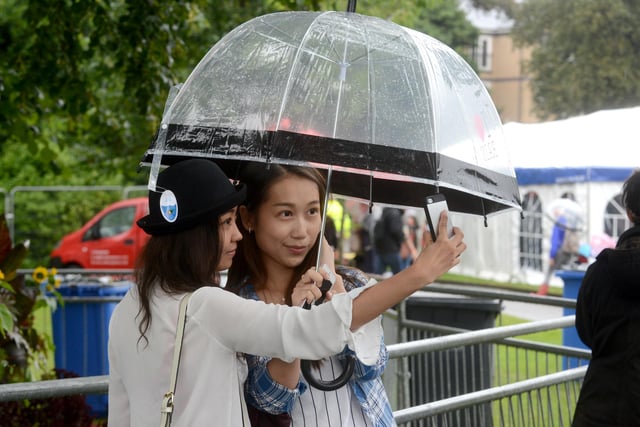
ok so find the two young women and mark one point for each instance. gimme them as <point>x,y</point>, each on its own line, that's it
<point>192,223</point>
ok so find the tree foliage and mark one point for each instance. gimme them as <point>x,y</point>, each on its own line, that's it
<point>83,85</point>
<point>82,88</point>
<point>86,78</point>
<point>586,54</point>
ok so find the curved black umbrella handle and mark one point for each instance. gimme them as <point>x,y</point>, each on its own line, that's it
<point>336,383</point>
<point>305,365</point>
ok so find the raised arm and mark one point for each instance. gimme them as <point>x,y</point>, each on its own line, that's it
<point>433,261</point>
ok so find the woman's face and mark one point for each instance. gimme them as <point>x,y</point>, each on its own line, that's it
<point>229,238</point>
<point>287,223</point>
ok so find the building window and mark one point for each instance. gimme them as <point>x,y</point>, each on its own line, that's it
<point>531,233</point>
<point>615,217</point>
<point>482,53</point>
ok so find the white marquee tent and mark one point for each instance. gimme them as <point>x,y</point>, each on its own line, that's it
<point>589,155</point>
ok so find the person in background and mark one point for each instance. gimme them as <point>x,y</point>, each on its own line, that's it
<point>192,223</point>
<point>564,244</point>
<point>330,233</point>
<point>366,258</point>
<point>342,224</point>
<point>608,321</point>
<point>413,236</point>
<point>281,228</point>
<point>388,236</point>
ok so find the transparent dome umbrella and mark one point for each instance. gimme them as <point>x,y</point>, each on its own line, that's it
<point>395,113</point>
<point>390,114</point>
<point>567,214</point>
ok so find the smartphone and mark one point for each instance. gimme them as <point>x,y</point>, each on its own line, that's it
<point>434,205</point>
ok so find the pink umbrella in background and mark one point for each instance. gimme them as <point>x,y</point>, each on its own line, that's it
<point>599,242</point>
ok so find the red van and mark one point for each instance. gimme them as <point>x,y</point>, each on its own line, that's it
<point>110,240</point>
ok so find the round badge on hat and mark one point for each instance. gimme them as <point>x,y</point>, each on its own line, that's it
<point>181,183</point>
<point>169,206</point>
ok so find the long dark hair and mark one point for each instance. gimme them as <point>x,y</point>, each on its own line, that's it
<point>247,264</point>
<point>177,263</point>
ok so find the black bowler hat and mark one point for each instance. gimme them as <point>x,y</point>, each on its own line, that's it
<point>188,194</point>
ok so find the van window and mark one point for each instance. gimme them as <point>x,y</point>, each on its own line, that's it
<point>114,223</point>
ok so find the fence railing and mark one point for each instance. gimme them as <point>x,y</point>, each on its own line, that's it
<point>485,377</point>
<point>509,413</point>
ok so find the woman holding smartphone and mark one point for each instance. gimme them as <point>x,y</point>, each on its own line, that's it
<point>281,225</point>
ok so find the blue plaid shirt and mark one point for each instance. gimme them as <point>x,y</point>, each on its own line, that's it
<point>263,392</point>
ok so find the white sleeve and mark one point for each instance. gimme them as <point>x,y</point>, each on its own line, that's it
<point>119,411</point>
<point>288,333</point>
<point>365,342</point>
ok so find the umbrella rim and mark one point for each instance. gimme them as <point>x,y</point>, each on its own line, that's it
<point>436,182</point>
<point>337,171</point>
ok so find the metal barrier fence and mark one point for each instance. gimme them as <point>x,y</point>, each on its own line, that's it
<point>487,377</point>
<point>493,399</point>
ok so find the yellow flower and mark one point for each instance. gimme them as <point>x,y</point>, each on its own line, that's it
<point>1,275</point>
<point>57,282</point>
<point>40,274</point>
<point>53,271</point>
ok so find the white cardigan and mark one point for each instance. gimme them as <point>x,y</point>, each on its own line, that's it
<point>219,326</point>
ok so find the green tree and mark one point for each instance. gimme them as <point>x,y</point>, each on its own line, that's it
<point>84,78</point>
<point>586,54</point>
<point>83,86</point>
<point>83,83</point>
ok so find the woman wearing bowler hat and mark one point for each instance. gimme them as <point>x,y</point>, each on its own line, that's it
<point>192,223</point>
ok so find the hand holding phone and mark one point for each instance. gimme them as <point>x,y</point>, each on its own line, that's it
<point>434,206</point>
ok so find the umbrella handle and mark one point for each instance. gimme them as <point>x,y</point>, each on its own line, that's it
<point>336,383</point>
<point>305,365</point>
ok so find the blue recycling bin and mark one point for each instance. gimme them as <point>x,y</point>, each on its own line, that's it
<point>572,280</point>
<point>81,331</point>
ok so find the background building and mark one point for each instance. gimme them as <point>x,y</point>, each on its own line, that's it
<point>501,65</point>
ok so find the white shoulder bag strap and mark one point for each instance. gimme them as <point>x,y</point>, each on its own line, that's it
<point>167,402</point>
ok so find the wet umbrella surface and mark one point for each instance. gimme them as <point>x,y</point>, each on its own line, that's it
<point>396,114</point>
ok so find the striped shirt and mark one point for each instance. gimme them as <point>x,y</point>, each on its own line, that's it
<point>362,402</point>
